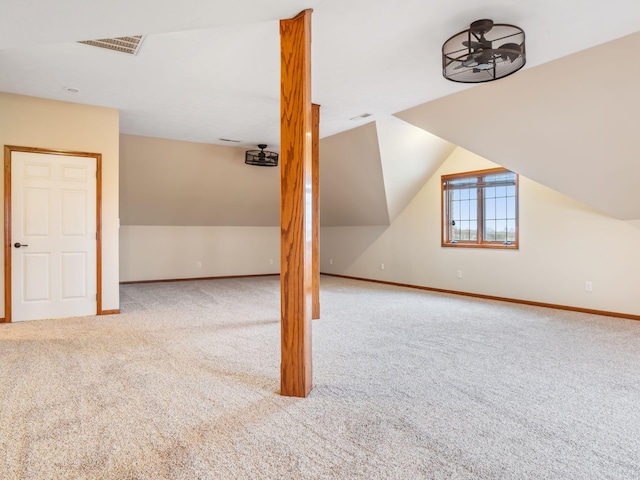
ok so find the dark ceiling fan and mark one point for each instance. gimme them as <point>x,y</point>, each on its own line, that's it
<point>484,52</point>
<point>260,158</point>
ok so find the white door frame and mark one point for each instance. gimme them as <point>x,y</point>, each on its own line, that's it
<point>8,149</point>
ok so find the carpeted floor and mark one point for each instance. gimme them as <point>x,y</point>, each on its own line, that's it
<point>408,385</point>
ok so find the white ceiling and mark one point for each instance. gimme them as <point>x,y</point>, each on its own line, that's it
<point>209,70</point>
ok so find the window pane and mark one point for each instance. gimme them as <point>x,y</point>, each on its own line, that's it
<point>490,192</point>
<point>464,210</point>
<point>455,210</point>
<point>490,209</point>
<point>473,210</point>
<point>501,191</point>
<point>511,207</point>
<point>460,210</point>
<point>511,230</point>
<point>454,232</point>
<point>501,230</point>
<point>501,207</point>
<point>490,231</point>
<point>464,230</point>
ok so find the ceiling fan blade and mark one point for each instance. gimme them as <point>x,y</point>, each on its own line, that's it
<point>511,51</point>
<point>485,57</point>
<point>474,45</point>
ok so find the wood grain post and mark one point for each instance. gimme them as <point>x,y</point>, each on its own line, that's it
<point>315,189</point>
<point>295,205</point>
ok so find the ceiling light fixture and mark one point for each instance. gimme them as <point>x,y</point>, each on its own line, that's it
<point>71,89</point>
<point>261,158</point>
<point>486,51</point>
<point>360,117</point>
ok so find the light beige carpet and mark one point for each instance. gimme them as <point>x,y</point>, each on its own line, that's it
<point>408,385</point>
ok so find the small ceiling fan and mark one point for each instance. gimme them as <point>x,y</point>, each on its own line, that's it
<point>484,52</point>
<point>260,158</point>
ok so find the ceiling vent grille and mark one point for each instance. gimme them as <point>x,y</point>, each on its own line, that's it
<point>129,45</point>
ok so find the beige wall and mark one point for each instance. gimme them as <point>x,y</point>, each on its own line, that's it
<point>185,204</point>
<point>172,182</point>
<point>563,244</point>
<point>35,122</point>
<point>162,252</point>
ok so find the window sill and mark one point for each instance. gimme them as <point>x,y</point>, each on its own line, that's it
<point>499,246</point>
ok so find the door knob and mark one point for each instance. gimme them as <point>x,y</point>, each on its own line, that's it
<point>18,245</point>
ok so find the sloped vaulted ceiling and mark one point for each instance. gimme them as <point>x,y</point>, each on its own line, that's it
<point>409,157</point>
<point>570,124</point>
<point>369,174</point>
<point>351,179</point>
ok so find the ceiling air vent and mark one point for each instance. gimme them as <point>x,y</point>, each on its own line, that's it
<point>129,45</point>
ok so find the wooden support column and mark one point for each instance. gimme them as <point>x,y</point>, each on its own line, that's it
<point>295,205</point>
<point>315,189</point>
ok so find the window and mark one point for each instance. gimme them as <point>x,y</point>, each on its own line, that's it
<point>480,209</point>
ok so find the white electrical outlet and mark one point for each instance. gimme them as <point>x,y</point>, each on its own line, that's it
<point>331,261</point>
<point>199,264</point>
<point>588,286</point>
<point>382,266</point>
<point>459,275</point>
<point>271,261</point>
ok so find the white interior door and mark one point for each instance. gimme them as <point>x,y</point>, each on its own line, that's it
<point>53,230</point>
